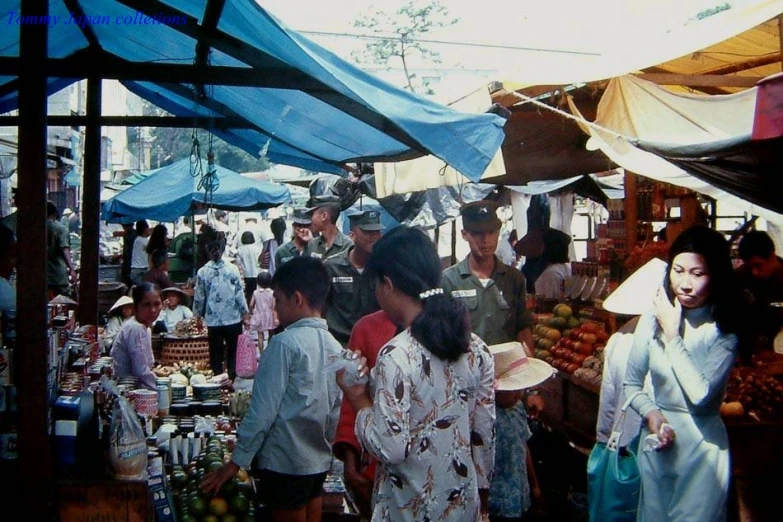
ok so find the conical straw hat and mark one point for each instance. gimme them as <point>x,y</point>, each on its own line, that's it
<point>635,295</point>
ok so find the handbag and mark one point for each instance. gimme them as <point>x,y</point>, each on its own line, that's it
<point>613,480</point>
<point>247,356</point>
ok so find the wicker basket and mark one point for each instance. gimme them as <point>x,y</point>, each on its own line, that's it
<point>192,350</point>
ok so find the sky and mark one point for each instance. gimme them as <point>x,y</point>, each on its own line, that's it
<point>509,31</point>
<point>567,25</point>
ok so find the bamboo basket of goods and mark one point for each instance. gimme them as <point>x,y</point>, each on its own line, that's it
<point>192,350</point>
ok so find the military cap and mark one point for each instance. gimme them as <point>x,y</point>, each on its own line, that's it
<point>301,217</point>
<point>369,220</point>
<point>480,216</point>
<point>323,200</point>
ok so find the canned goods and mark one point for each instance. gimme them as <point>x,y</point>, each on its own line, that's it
<point>164,401</point>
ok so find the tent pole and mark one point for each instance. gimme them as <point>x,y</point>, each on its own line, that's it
<point>33,473</point>
<point>91,207</point>
<point>193,236</point>
<point>454,241</point>
<point>780,39</point>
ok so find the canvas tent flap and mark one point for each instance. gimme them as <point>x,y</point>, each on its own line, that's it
<point>172,191</point>
<point>633,40</point>
<point>633,111</point>
<point>324,113</point>
<point>742,167</point>
<point>431,172</point>
<point>427,208</point>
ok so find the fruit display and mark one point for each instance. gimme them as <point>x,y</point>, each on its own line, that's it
<point>551,328</point>
<point>572,345</point>
<point>234,502</point>
<point>753,394</point>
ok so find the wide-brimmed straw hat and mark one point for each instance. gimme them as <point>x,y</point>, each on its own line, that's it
<point>635,295</point>
<point>514,370</point>
<point>181,292</point>
<point>119,303</point>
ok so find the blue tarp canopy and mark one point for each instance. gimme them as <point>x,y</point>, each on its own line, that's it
<point>172,191</point>
<point>308,107</point>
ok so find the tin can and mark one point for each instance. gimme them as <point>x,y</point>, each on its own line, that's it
<point>164,399</point>
<point>165,381</point>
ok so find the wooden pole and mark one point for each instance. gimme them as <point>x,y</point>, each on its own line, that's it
<point>91,207</point>
<point>35,472</point>
<point>780,39</point>
<point>453,241</point>
<point>631,210</point>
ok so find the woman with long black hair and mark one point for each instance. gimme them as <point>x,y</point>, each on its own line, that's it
<point>429,422</point>
<point>688,346</point>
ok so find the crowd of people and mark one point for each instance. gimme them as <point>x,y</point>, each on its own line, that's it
<point>441,430</point>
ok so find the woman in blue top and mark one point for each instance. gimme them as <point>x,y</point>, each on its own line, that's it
<point>688,345</point>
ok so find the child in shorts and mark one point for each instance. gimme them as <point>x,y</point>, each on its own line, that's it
<point>290,426</point>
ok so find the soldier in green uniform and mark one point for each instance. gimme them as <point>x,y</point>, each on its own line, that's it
<point>494,294</point>
<point>301,237</point>
<point>324,212</point>
<point>353,293</point>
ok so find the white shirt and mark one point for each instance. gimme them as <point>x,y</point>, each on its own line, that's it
<point>172,317</point>
<point>139,257</point>
<point>550,283</point>
<point>618,348</point>
<point>247,259</point>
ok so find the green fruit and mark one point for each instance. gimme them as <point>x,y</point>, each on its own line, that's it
<point>229,489</point>
<point>179,479</point>
<point>201,461</point>
<point>563,310</point>
<point>573,322</point>
<point>239,505</point>
<point>198,506</point>
<point>187,518</point>
<point>557,322</point>
<point>229,517</point>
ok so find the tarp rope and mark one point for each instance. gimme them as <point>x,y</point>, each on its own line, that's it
<point>568,115</point>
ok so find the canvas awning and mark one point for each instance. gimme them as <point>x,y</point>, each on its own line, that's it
<point>640,126</point>
<point>299,102</point>
<point>641,35</point>
<point>172,191</point>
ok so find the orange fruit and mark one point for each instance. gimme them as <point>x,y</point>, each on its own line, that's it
<point>218,506</point>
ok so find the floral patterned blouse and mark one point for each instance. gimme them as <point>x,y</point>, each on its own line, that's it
<point>431,429</point>
<point>219,297</point>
